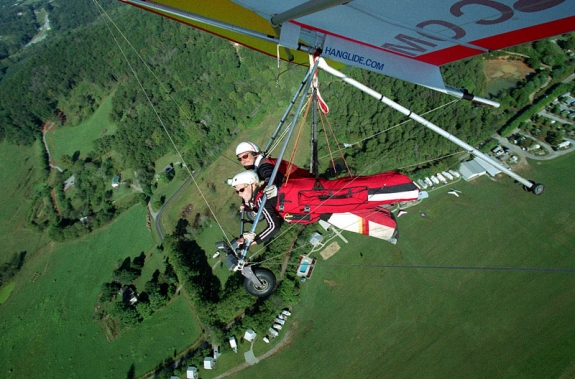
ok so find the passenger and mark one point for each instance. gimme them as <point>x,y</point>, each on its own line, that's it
<point>251,189</point>
<point>252,158</point>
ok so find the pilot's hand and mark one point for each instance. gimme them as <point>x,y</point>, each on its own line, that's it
<point>271,191</point>
<point>249,237</point>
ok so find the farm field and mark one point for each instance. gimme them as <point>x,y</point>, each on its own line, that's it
<point>48,323</point>
<point>69,139</point>
<point>483,288</point>
<point>20,172</point>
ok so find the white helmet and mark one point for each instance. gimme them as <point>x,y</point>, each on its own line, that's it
<point>244,147</point>
<point>245,177</point>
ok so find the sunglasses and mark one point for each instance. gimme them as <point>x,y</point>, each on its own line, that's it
<point>241,190</point>
<point>245,156</point>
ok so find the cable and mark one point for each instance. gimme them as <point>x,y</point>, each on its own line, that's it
<point>102,13</point>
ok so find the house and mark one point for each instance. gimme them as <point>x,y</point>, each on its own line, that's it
<point>498,150</point>
<point>315,239</point>
<point>250,335</point>
<point>233,344</point>
<point>128,295</point>
<point>209,363</point>
<point>68,183</point>
<point>116,181</point>
<point>192,372</point>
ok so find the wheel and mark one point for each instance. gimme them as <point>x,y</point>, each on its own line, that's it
<point>538,188</point>
<point>268,280</point>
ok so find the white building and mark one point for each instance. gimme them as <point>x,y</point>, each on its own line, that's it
<point>209,363</point>
<point>250,335</point>
<point>192,372</point>
<point>471,169</point>
<point>315,239</point>
<point>233,344</point>
<point>477,167</point>
<point>217,353</point>
<point>273,333</point>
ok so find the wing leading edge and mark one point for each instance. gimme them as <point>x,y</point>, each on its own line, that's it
<point>407,40</point>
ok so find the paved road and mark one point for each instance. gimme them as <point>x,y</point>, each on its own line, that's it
<point>551,153</point>
<point>158,216</point>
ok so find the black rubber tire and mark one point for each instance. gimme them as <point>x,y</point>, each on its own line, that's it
<point>537,188</point>
<point>268,280</point>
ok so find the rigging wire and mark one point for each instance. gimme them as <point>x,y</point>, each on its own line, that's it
<point>103,12</point>
<point>363,171</point>
<point>419,267</point>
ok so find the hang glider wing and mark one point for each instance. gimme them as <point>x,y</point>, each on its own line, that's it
<point>406,39</point>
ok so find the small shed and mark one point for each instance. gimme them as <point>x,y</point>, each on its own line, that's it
<point>233,344</point>
<point>250,335</point>
<point>209,363</point>
<point>192,372</point>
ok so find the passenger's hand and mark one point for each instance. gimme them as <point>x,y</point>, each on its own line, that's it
<point>271,191</point>
<point>249,236</point>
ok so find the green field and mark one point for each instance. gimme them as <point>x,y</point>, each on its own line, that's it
<point>462,295</point>
<point>69,139</point>
<point>20,173</point>
<point>48,327</point>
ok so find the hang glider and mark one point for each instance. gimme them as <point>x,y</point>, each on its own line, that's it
<point>407,40</point>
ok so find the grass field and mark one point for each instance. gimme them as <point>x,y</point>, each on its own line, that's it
<point>19,168</point>
<point>69,139</point>
<point>47,323</point>
<point>464,294</point>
